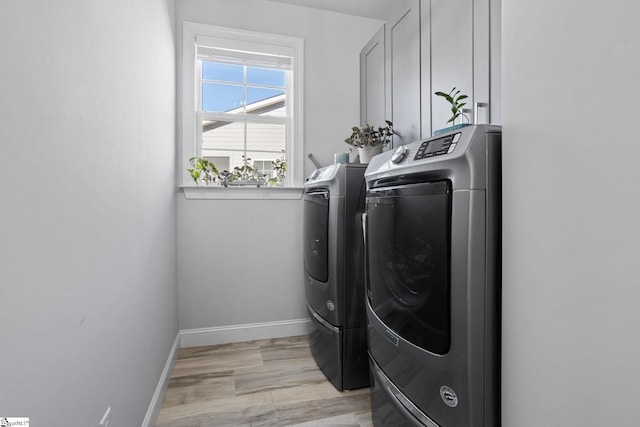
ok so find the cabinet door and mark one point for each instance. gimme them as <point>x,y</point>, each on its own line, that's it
<point>481,62</point>
<point>495,62</point>
<point>425,68</point>
<point>465,53</point>
<point>372,81</point>
<point>403,72</point>
<point>451,55</point>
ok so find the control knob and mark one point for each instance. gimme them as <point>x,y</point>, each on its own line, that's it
<point>399,154</point>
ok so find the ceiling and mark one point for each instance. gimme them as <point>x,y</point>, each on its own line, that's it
<point>377,9</point>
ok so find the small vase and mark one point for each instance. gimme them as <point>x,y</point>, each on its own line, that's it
<point>367,153</point>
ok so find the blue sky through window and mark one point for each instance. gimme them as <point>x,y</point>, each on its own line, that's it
<point>223,85</point>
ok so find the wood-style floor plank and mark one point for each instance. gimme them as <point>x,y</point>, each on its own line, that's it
<point>272,383</point>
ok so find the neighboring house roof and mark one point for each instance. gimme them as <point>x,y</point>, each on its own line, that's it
<point>259,107</point>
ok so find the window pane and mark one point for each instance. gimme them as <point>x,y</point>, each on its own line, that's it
<point>222,72</point>
<point>267,139</point>
<point>262,162</point>
<point>223,139</point>
<point>221,97</point>
<point>221,162</point>
<point>224,143</point>
<point>265,76</point>
<point>264,166</point>
<point>265,101</point>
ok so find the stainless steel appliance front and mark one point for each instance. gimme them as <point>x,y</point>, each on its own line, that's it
<point>433,290</point>
<point>334,273</point>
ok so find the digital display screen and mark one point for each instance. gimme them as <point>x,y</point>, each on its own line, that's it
<point>437,147</point>
<point>437,144</point>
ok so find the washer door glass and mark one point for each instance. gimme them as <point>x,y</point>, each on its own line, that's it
<point>315,234</point>
<point>408,247</point>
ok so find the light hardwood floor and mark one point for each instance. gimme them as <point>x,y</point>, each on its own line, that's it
<point>259,383</point>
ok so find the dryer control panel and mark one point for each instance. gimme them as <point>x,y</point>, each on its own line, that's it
<point>460,155</point>
<point>438,147</point>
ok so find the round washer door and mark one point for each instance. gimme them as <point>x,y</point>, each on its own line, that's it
<point>315,234</point>
<point>408,248</point>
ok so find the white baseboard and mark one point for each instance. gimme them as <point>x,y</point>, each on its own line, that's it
<point>240,333</point>
<point>158,396</point>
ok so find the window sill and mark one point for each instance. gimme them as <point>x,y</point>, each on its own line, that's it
<point>202,192</point>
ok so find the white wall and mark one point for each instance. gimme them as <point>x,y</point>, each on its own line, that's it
<point>571,208</point>
<point>257,277</point>
<point>88,277</point>
<point>240,262</point>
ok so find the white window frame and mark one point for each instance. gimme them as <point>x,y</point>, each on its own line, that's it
<point>239,39</point>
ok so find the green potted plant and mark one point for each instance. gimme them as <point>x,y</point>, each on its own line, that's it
<point>454,98</point>
<point>280,171</point>
<point>203,171</point>
<point>369,140</point>
<point>243,175</point>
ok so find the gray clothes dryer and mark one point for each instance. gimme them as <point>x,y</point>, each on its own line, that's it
<point>334,273</point>
<point>432,232</point>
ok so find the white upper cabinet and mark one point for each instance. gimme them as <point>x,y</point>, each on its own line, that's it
<point>429,46</point>
<point>403,72</point>
<point>451,40</point>
<point>464,40</point>
<point>372,81</point>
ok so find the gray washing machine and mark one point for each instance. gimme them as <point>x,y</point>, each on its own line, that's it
<point>432,231</point>
<point>333,254</point>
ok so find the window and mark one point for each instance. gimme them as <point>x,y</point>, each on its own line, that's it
<point>242,99</point>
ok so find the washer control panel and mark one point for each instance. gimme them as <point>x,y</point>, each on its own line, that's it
<point>438,147</point>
